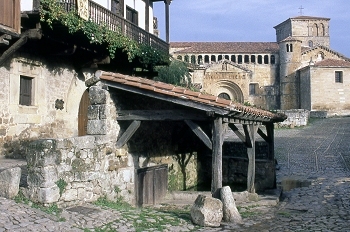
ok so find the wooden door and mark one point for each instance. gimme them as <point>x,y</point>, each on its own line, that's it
<point>151,184</point>
<point>82,114</point>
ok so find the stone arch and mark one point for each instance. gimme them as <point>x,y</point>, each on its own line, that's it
<point>315,30</point>
<point>231,89</point>
<point>213,58</point>
<point>206,59</point>
<point>322,30</point>
<point>200,59</point>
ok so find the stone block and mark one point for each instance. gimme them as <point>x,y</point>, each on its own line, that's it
<point>44,177</point>
<point>93,112</point>
<point>9,182</point>
<point>97,127</point>
<point>49,195</point>
<point>103,111</point>
<point>97,95</point>
<point>207,211</point>
<point>230,211</point>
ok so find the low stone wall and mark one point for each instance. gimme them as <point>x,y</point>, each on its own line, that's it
<point>77,170</point>
<point>295,118</point>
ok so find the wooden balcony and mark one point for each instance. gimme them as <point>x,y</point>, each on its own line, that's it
<point>10,16</point>
<point>103,16</point>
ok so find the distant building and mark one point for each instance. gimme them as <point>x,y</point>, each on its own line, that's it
<point>300,70</point>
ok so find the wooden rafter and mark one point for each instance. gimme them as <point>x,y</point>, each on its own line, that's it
<point>128,133</point>
<point>160,115</point>
<point>200,133</point>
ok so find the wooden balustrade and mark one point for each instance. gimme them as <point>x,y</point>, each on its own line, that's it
<point>102,16</point>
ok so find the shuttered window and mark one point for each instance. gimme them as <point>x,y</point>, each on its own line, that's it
<point>25,92</point>
<point>132,15</point>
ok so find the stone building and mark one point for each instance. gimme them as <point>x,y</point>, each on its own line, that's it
<point>291,73</point>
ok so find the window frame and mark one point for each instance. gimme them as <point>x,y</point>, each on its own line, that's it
<point>26,93</point>
<point>338,76</point>
<point>253,88</point>
<point>130,12</point>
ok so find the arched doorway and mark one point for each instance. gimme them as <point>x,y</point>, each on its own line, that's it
<point>229,90</point>
<point>82,114</point>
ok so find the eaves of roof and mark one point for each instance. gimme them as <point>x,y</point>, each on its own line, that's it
<point>225,47</point>
<point>185,97</point>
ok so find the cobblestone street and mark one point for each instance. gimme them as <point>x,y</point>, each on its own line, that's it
<point>316,157</point>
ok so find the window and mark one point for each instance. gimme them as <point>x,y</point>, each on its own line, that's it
<point>206,59</point>
<point>311,44</point>
<point>224,96</point>
<point>132,15</point>
<point>338,77</point>
<point>25,91</point>
<point>213,58</point>
<point>252,89</point>
<point>116,7</point>
<point>273,60</point>
<point>179,57</point>
<point>233,58</point>
<point>252,58</point>
<point>266,59</point>
<point>239,59</point>
<point>219,57</point>
<point>246,59</point>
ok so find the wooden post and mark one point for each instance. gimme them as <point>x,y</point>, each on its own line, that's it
<point>217,137</point>
<point>271,140</point>
<point>147,16</point>
<point>167,19</point>
<point>250,131</point>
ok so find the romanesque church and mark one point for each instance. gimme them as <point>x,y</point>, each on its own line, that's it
<point>298,71</point>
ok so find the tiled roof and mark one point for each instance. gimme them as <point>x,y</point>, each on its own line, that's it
<point>225,47</point>
<point>333,63</point>
<point>185,96</point>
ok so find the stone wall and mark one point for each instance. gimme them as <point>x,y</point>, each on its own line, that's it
<point>43,118</point>
<point>78,170</point>
<point>295,118</point>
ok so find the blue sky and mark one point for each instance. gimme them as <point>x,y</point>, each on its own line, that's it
<point>249,20</point>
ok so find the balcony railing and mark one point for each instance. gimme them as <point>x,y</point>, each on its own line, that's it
<point>103,16</point>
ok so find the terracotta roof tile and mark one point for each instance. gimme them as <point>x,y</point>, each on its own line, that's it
<point>332,63</point>
<point>225,47</point>
<point>232,108</point>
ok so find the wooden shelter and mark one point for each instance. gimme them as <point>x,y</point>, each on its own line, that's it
<point>195,106</point>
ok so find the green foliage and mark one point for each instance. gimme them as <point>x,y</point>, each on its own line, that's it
<point>120,204</point>
<point>61,184</point>
<point>51,12</point>
<point>51,209</point>
<point>176,73</point>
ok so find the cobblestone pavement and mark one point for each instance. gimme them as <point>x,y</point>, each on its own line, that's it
<point>316,157</point>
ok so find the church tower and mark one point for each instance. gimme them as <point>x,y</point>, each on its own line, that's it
<point>311,31</point>
<point>290,61</point>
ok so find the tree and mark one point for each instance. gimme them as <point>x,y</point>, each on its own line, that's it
<point>176,73</point>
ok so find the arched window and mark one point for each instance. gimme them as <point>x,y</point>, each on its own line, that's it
<point>200,59</point>
<point>266,59</point>
<point>206,59</point>
<point>246,59</point>
<point>311,44</point>
<point>239,59</point>
<point>213,58</point>
<point>322,32</point>
<point>193,59</point>
<point>233,58</point>
<point>227,57</point>
<point>219,57</point>
<point>259,59</point>
<point>252,58</point>
<point>224,96</point>
<point>179,57</point>
<point>315,30</point>
<point>291,47</point>
<point>273,59</point>
<point>287,46</point>
<point>187,58</point>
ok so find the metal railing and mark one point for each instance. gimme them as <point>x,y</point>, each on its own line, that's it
<point>102,16</point>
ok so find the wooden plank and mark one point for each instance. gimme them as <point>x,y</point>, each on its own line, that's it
<point>250,131</point>
<point>200,133</point>
<point>128,133</point>
<point>160,115</point>
<point>218,139</point>
<point>237,132</point>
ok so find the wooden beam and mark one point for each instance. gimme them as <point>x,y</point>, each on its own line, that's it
<point>128,133</point>
<point>200,133</point>
<point>13,48</point>
<point>237,132</point>
<point>262,134</point>
<point>250,131</point>
<point>161,115</point>
<point>218,139</point>
<point>271,140</point>
<point>4,39</point>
